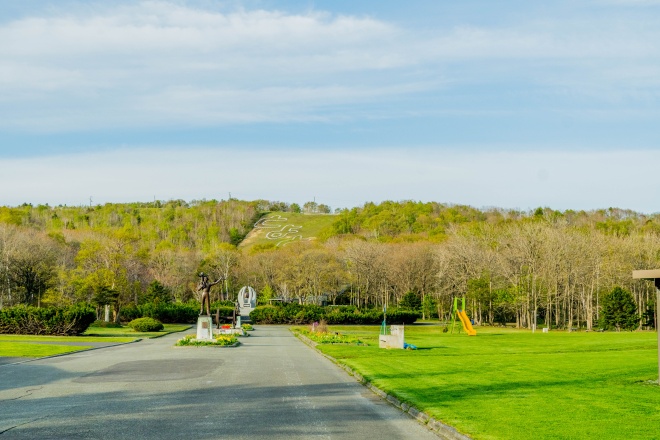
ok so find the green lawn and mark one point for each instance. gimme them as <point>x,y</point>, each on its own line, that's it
<point>33,338</point>
<point>25,349</point>
<point>28,345</point>
<point>508,384</point>
<point>130,333</point>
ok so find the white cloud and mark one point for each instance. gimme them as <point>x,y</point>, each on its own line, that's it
<point>158,62</point>
<point>124,66</point>
<point>524,180</point>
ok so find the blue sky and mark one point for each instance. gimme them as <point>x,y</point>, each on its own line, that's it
<point>512,104</point>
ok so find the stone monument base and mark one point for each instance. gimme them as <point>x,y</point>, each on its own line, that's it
<point>244,312</point>
<point>204,328</point>
<point>394,339</point>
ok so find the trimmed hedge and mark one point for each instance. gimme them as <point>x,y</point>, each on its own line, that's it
<point>173,313</point>
<point>146,325</point>
<point>306,314</point>
<point>55,321</point>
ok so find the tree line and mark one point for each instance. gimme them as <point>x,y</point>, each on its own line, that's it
<point>542,267</point>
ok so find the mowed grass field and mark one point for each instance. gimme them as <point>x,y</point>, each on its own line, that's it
<point>509,384</point>
<point>32,346</point>
<point>107,333</point>
<point>281,228</point>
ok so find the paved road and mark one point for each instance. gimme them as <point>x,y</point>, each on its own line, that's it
<point>272,387</point>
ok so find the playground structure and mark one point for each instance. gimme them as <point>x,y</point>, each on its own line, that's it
<point>465,321</point>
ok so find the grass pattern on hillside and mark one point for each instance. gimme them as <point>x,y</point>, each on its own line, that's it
<point>282,228</point>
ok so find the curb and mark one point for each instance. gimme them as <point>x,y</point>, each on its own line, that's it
<point>439,428</point>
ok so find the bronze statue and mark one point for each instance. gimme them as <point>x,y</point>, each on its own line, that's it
<point>205,286</point>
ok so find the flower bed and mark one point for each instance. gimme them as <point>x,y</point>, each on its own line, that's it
<point>219,341</point>
<point>329,337</point>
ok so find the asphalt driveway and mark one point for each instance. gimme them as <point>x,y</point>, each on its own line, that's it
<point>272,387</point>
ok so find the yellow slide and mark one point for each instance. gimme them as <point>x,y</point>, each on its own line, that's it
<point>466,323</point>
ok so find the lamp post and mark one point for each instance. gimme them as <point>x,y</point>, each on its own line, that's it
<point>655,276</point>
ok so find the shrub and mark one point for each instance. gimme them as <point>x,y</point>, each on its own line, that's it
<point>130,312</point>
<point>105,324</point>
<point>328,337</point>
<point>320,327</point>
<point>268,315</point>
<point>307,314</point>
<point>146,325</point>
<point>401,317</point>
<point>56,321</point>
<point>170,313</point>
<point>221,304</point>
<point>173,313</point>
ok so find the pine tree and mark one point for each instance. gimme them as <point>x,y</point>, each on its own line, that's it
<point>619,311</point>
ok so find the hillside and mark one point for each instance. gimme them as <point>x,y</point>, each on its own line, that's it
<point>278,229</point>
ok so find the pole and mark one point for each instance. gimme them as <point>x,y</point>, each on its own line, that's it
<point>653,274</point>
<point>657,309</point>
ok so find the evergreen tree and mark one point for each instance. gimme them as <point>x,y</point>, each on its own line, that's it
<point>157,293</point>
<point>429,307</point>
<point>411,301</point>
<point>619,311</point>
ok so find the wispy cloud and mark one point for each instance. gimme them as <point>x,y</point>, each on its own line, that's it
<point>158,63</point>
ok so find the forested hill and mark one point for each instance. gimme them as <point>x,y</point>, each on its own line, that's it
<point>410,220</point>
<point>203,224</point>
<point>196,225</point>
<point>516,265</point>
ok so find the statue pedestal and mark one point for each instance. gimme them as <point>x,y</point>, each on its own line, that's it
<point>205,327</point>
<point>394,339</point>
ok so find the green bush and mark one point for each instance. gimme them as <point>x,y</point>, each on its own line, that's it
<point>130,312</point>
<point>105,324</point>
<point>398,317</point>
<point>221,304</point>
<point>146,325</point>
<point>186,313</point>
<point>56,321</point>
<point>173,313</point>
<point>307,314</point>
<point>268,315</point>
<point>329,337</point>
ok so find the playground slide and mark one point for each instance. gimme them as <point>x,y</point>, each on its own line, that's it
<point>466,323</point>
